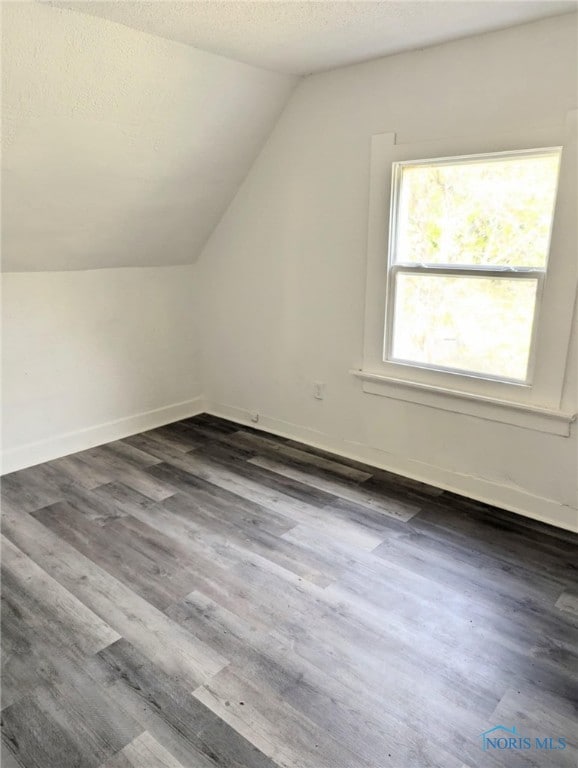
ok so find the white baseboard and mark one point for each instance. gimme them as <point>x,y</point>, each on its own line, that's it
<point>507,497</point>
<point>71,442</point>
<point>481,489</point>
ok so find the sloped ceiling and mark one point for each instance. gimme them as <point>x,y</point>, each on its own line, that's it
<point>304,37</point>
<point>119,148</point>
<point>122,147</point>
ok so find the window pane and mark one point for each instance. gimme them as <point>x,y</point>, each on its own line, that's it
<point>477,324</point>
<point>496,211</point>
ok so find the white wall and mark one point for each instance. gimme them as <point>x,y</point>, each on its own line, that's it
<point>119,148</point>
<point>91,356</point>
<point>283,274</point>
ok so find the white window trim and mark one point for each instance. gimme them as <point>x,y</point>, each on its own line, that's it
<point>533,406</point>
<point>492,409</point>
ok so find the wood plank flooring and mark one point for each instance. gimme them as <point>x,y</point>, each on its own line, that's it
<point>206,595</point>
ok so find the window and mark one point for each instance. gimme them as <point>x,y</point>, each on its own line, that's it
<point>471,274</point>
<point>468,255</point>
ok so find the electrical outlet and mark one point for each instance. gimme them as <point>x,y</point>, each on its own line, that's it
<point>318,390</point>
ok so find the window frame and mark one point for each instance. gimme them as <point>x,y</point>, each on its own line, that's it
<point>395,267</point>
<point>544,403</point>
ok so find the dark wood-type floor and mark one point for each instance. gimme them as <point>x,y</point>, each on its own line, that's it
<point>206,595</point>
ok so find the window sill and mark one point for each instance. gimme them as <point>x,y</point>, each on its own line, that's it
<point>492,409</point>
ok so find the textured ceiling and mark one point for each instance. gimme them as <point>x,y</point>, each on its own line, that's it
<point>119,148</point>
<point>305,37</point>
